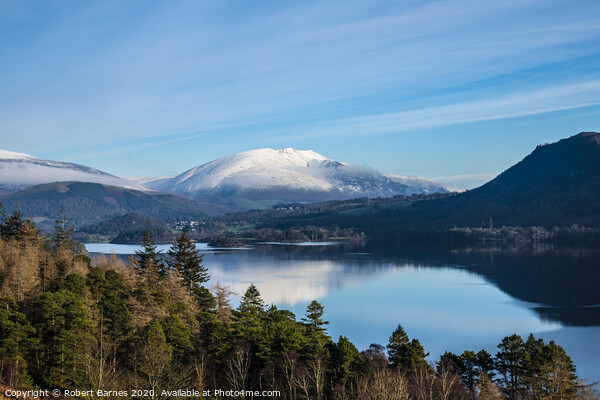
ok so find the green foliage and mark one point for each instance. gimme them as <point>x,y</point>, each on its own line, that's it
<point>12,225</point>
<point>511,359</point>
<point>314,314</point>
<point>535,369</point>
<point>252,303</point>
<point>63,229</point>
<point>405,353</point>
<point>185,259</point>
<point>178,336</point>
<point>66,333</point>
<point>346,362</point>
<point>148,258</point>
<point>115,328</point>
<point>15,341</point>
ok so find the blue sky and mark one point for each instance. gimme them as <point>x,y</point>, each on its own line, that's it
<point>452,90</point>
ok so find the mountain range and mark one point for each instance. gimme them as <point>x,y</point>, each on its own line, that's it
<point>558,184</point>
<point>252,179</point>
<point>264,177</point>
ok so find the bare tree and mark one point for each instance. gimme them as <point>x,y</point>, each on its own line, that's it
<point>200,364</point>
<point>316,372</point>
<point>487,388</point>
<point>223,301</point>
<point>237,366</point>
<point>423,384</point>
<point>289,366</point>
<point>384,384</point>
<point>449,385</point>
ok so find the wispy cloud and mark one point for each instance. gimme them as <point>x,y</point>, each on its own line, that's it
<point>106,74</point>
<point>508,106</point>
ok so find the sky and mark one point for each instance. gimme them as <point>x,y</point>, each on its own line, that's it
<point>456,91</point>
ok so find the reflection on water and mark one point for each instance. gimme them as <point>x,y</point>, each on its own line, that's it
<point>450,300</point>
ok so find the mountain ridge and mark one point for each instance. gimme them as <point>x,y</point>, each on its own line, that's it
<point>88,203</point>
<point>556,185</point>
<point>20,171</point>
<point>279,176</point>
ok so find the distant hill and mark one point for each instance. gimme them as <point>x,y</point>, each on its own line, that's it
<point>128,228</point>
<point>556,185</point>
<point>19,171</point>
<point>93,202</point>
<point>265,177</point>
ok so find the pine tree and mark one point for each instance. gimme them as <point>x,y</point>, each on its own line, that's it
<point>185,259</point>
<point>15,340</point>
<point>252,300</point>
<point>313,319</point>
<point>404,352</point>
<point>510,363</point>
<point>63,230</point>
<point>346,361</point>
<point>66,333</point>
<point>12,225</point>
<point>148,257</point>
<point>2,220</point>
<point>398,347</point>
<point>470,370</point>
<point>178,336</point>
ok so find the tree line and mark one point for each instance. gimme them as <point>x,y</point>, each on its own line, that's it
<point>70,322</point>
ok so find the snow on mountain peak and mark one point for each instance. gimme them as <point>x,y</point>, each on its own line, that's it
<point>289,174</point>
<point>256,168</point>
<point>11,155</point>
<point>19,171</point>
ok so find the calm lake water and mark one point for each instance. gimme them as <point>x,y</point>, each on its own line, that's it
<point>449,300</point>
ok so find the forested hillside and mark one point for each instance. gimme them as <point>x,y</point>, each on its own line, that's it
<point>551,195</point>
<point>70,322</point>
<point>93,202</point>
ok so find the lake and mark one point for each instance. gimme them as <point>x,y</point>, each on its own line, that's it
<point>449,300</point>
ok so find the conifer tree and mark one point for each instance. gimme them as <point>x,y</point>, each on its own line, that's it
<point>313,319</point>
<point>252,301</point>
<point>346,362</point>
<point>510,361</point>
<point>15,340</point>
<point>148,257</point>
<point>184,258</point>
<point>12,225</point>
<point>398,347</point>
<point>63,229</point>
<point>2,220</point>
<point>406,353</point>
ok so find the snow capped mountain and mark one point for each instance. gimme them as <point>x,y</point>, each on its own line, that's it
<point>272,176</point>
<point>251,179</point>
<point>19,171</point>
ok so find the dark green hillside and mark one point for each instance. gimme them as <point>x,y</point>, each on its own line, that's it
<point>557,185</point>
<point>128,228</point>
<point>92,202</point>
